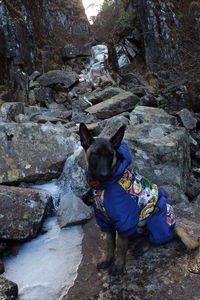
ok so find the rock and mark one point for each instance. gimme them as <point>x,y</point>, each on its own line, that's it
<point>2,269</point>
<point>193,187</point>
<point>160,43</point>
<point>31,151</point>
<point>98,96</point>
<point>152,146</point>
<point>72,51</point>
<point>187,119</point>
<point>9,110</point>
<point>57,77</point>
<point>52,115</point>
<point>34,75</point>
<point>132,80</point>
<point>22,212</point>
<point>122,56</point>
<point>117,104</point>
<point>151,115</point>
<point>42,95</point>
<point>175,194</point>
<point>72,211</point>
<point>110,126</point>
<point>73,185</point>
<point>33,84</point>
<point>73,177</point>
<point>8,289</point>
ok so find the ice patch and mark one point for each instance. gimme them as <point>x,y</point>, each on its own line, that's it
<point>46,267</point>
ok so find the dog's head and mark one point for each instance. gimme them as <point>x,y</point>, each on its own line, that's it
<point>101,153</point>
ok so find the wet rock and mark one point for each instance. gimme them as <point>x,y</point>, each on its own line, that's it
<point>145,114</point>
<point>152,146</point>
<point>8,289</point>
<point>10,110</point>
<point>57,77</point>
<point>41,152</point>
<point>189,122</point>
<point>72,211</point>
<point>117,104</point>
<point>22,212</point>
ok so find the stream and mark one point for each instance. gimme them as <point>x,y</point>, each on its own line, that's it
<point>46,267</point>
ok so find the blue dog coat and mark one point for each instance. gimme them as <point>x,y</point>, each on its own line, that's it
<point>127,201</point>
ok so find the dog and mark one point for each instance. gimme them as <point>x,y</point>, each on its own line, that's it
<point>125,203</point>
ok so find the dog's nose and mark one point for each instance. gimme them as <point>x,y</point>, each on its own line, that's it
<point>104,175</point>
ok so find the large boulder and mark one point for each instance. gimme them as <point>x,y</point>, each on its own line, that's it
<point>160,152</point>
<point>30,151</point>
<point>117,104</point>
<point>152,115</point>
<point>22,212</point>
<point>73,185</point>
<point>72,211</point>
<point>58,77</point>
<point>8,289</point>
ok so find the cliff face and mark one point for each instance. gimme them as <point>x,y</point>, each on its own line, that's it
<point>34,32</point>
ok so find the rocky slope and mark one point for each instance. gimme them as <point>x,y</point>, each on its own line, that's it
<point>147,79</point>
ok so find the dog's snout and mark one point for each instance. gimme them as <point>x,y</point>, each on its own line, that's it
<point>104,173</point>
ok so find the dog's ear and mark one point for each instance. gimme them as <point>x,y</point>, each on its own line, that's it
<point>85,136</point>
<point>117,138</point>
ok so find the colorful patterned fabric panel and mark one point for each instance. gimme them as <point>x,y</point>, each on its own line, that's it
<point>141,190</point>
<point>170,219</point>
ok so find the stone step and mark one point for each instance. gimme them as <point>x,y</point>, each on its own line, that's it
<point>115,105</point>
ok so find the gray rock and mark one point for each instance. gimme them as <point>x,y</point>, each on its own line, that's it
<point>9,110</point>
<point>34,75</point>
<point>187,119</point>
<point>72,51</point>
<point>151,115</point>
<point>99,96</point>
<point>160,152</point>
<point>72,211</point>
<point>122,102</point>
<point>33,84</point>
<point>110,126</point>
<point>30,151</point>
<point>58,77</point>
<point>8,289</point>
<point>22,212</point>
<point>41,95</point>
<point>175,194</point>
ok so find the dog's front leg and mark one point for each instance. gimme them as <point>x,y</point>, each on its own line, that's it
<point>118,267</point>
<point>110,244</point>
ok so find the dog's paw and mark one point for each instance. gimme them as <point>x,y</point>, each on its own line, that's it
<point>116,270</point>
<point>104,264</point>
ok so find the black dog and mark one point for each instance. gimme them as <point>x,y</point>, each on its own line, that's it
<point>125,202</point>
